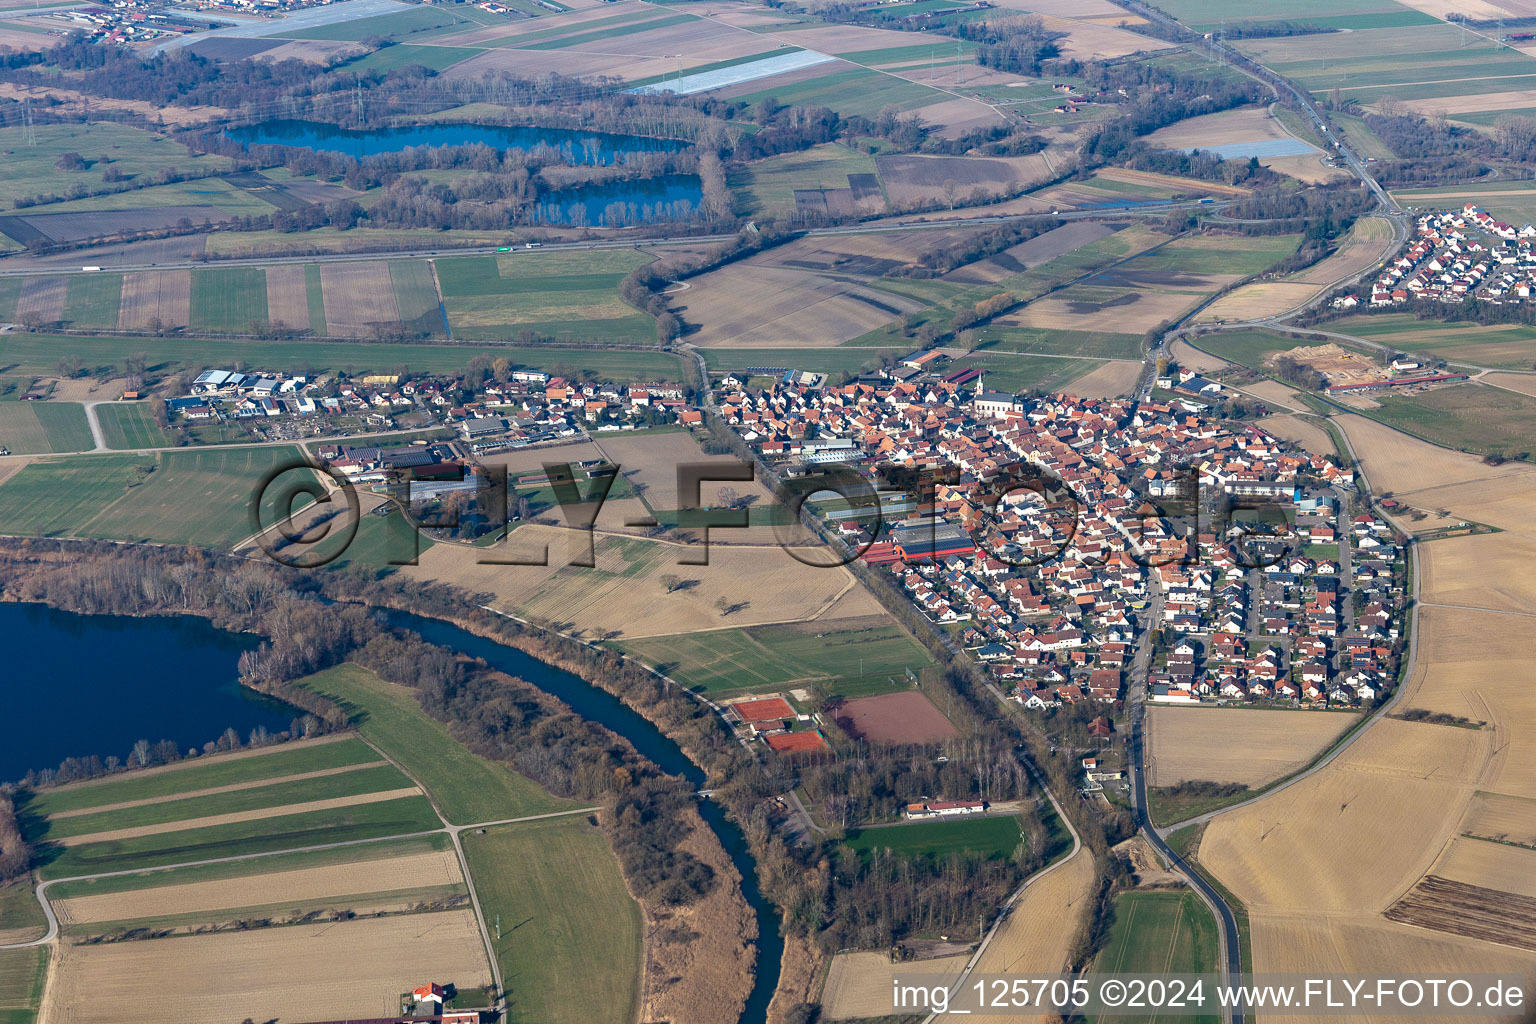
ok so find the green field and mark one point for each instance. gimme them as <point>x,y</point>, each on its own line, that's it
<point>215,192</point>
<point>1089,344</point>
<point>22,972</point>
<point>976,837</point>
<point>419,22</point>
<point>1217,254</point>
<point>466,788</point>
<point>1161,933</point>
<point>859,91</point>
<point>261,835</point>
<point>177,497</point>
<point>30,170</point>
<point>36,428</point>
<point>570,945</point>
<point>564,295</point>
<point>19,910</point>
<point>228,300</point>
<point>130,425</point>
<point>849,663</point>
<point>196,774</point>
<point>1249,348</point>
<point>827,360</point>
<point>415,293</point>
<point>91,301</point>
<point>1350,14</point>
<point>1007,371</point>
<point>1473,417</point>
<point>376,778</point>
<point>767,187</point>
<point>1416,58</point>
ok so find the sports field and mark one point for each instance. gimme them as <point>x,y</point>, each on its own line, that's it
<point>564,928</point>
<point>849,663</point>
<point>1161,933</point>
<point>571,296</point>
<point>178,497</point>
<point>466,788</point>
<point>974,837</point>
<point>33,428</point>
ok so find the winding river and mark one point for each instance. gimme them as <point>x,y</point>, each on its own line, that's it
<point>95,684</point>
<point>607,710</point>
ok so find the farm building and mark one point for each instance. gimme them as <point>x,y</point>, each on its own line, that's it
<point>1399,382</point>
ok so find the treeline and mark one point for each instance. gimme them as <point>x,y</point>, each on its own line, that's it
<point>1272,29</point>
<point>1205,166</point>
<point>15,851</point>
<point>1020,44</point>
<point>1158,97</point>
<point>879,781</point>
<point>1299,374</point>
<point>1430,149</point>
<point>1323,212</point>
<point>942,259</point>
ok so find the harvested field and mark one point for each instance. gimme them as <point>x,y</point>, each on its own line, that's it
<point>1088,41</point>
<point>1520,382</point>
<point>304,972</point>
<point>233,787</point>
<point>1367,243</point>
<point>1303,431</point>
<point>625,593</point>
<point>1194,359</point>
<point>1471,910</point>
<point>1041,929</point>
<point>1511,869</point>
<point>1275,395</point>
<point>747,305</point>
<point>153,299</point>
<point>288,297</point>
<point>1253,301</point>
<point>1093,308</point>
<point>907,717</point>
<point>912,178</point>
<point>858,985</point>
<point>650,461</point>
<point>1111,380</point>
<point>1245,745</point>
<point>415,871</point>
<point>1502,817</point>
<point>212,820</point>
<point>358,298</point>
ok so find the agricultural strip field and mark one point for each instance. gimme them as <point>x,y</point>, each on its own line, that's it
<point>1348,14</point>
<point>32,428</point>
<point>1161,933</point>
<point>1424,62</point>
<point>569,933</point>
<point>1503,346</point>
<point>21,919</point>
<point>1243,745</point>
<point>332,970</point>
<point>466,788</point>
<point>1472,417</point>
<point>847,663</point>
<point>22,973</point>
<point>834,360</point>
<point>398,816</point>
<point>571,296</point>
<point>228,300</point>
<point>177,497</point>
<point>986,837</point>
<point>129,425</point>
<point>767,187</point>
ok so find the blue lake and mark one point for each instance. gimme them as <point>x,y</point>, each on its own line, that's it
<point>614,204</point>
<point>577,147</point>
<point>78,685</point>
